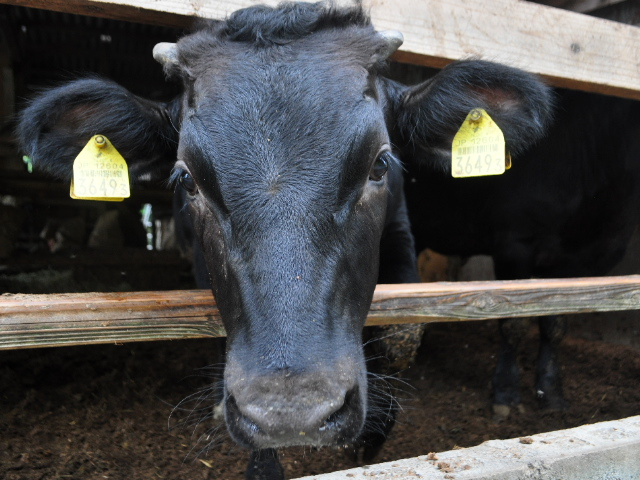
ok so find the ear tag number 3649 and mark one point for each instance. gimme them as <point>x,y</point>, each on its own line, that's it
<point>478,147</point>
<point>100,172</point>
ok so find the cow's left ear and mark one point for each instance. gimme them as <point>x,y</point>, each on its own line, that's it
<point>426,117</point>
<point>59,122</point>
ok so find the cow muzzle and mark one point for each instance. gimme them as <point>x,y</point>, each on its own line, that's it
<point>279,409</point>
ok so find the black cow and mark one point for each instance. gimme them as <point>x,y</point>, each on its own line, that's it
<point>566,209</point>
<point>286,142</point>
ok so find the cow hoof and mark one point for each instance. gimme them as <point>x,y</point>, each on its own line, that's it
<point>364,455</point>
<point>370,452</point>
<point>551,402</point>
<point>500,413</point>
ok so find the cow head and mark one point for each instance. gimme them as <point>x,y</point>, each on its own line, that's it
<point>287,140</point>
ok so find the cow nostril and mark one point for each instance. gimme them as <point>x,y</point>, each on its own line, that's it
<point>246,428</point>
<point>343,417</point>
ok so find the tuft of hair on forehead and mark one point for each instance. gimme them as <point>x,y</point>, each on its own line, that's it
<point>262,25</point>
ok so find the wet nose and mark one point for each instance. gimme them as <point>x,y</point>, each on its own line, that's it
<point>284,409</point>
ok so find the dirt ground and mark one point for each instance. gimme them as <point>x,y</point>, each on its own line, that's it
<point>98,412</point>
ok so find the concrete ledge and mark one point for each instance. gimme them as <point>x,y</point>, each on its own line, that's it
<point>602,451</point>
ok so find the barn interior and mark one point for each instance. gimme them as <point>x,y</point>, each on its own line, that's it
<point>50,243</point>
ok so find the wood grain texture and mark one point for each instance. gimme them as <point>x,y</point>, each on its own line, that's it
<point>569,49</point>
<point>28,321</point>
<point>503,299</point>
<point>76,319</point>
<point>579,5</point>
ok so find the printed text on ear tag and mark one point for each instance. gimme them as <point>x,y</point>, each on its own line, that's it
<point>478,147</point>
<point>100,172</point>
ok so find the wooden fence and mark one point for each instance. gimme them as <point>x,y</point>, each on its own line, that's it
<point>575,51</point>
<point>569,49</point>
<point>28,321</point>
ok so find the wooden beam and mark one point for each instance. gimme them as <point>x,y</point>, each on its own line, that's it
<point>76,319</point>
<point>462,301</point>
<point>579,5</point>
<point>167,13</point>
<point>28,321</point>
<point>569,49</point>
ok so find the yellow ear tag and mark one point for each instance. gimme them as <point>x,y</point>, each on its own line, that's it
<point>478,147</point>
<point>100,172</point>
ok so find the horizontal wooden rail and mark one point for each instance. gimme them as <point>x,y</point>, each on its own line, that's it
<point>28,321</point>
<point>570,49</point>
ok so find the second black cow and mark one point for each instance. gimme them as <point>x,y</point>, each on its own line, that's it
<point>567,208</point>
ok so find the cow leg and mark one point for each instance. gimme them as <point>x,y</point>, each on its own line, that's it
<point>382,408</point>
<point>549,381</point>
<point>398,264</point>
<point>264,465</point>
<point>506,379</point>
<point>392,348</point>
<point>514,261</point>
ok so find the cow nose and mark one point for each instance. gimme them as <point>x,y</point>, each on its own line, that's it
<point>285,410</point>
<point>307,413</point>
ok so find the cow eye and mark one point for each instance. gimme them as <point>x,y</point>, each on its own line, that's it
<point>380,167</point>
<point>188,183</point>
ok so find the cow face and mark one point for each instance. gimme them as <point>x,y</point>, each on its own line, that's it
<point>285,141</point>
<point>284,158</point>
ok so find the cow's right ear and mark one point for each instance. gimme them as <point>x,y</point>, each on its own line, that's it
<point>426,117</point>
<point>59,122</point>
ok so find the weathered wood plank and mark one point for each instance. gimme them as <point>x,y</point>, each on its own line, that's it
<point>579,5</point>
<point>569,49</point>
<point>28,321</point>
<point>76,319</point>
<point>503,299</point>
<point>167,13</point>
